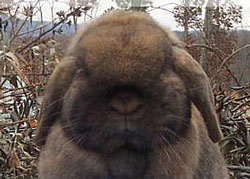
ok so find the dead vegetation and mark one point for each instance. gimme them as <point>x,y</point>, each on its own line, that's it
<point>26,62</point>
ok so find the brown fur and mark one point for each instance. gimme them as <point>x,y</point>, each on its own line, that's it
<point>128,102</point>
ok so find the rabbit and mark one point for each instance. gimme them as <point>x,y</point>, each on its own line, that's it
<point>128,102</point>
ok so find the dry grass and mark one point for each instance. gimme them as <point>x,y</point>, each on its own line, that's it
<point>26,63</point>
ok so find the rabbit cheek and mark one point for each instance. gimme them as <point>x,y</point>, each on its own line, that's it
<point>172,113</point>
<point>78,117</point>
<point>177,124</point>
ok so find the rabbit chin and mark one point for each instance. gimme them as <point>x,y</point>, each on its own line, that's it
<point>130,140</point>
<point>112,139</point>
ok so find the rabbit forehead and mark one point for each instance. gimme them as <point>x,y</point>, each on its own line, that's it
<point>126,51</point>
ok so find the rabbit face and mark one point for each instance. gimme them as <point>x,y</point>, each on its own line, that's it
<point>128,102</point>
<point>105,119</point>
<point>123,83</point>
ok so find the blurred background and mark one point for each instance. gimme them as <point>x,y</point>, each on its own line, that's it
<point>34,36</point>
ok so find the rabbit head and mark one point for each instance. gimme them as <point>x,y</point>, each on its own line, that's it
<point>123,83</point>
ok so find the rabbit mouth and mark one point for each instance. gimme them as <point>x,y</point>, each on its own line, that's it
<point>134,141</point>
<point>113,140</point>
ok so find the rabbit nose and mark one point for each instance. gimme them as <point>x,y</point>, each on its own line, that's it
<point>125,103</point>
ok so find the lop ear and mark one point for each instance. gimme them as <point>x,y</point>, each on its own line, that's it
<point>199,90</point>
<point>52,101</point>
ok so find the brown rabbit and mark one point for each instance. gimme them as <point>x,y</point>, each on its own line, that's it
<point>128,102</point>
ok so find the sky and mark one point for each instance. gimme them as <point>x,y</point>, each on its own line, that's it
<point>162,16</point>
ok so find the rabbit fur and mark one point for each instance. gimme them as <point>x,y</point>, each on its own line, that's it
<point>128,102</point>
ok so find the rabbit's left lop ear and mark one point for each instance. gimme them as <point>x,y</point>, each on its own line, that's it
<point>52,101</point>
<point>199,90</point>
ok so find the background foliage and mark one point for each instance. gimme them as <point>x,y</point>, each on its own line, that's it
<point>30,50</point>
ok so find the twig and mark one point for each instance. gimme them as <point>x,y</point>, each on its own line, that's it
<point>201,46</point>
<point>233,54</point>
<point>218,55</point>
<point>242,168</point>
<point>19,29</point>
<point>14,123</point>
<point>46,32</point>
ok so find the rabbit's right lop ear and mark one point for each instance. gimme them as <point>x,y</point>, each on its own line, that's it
<point>199,90</point>
<point>52,101</point>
